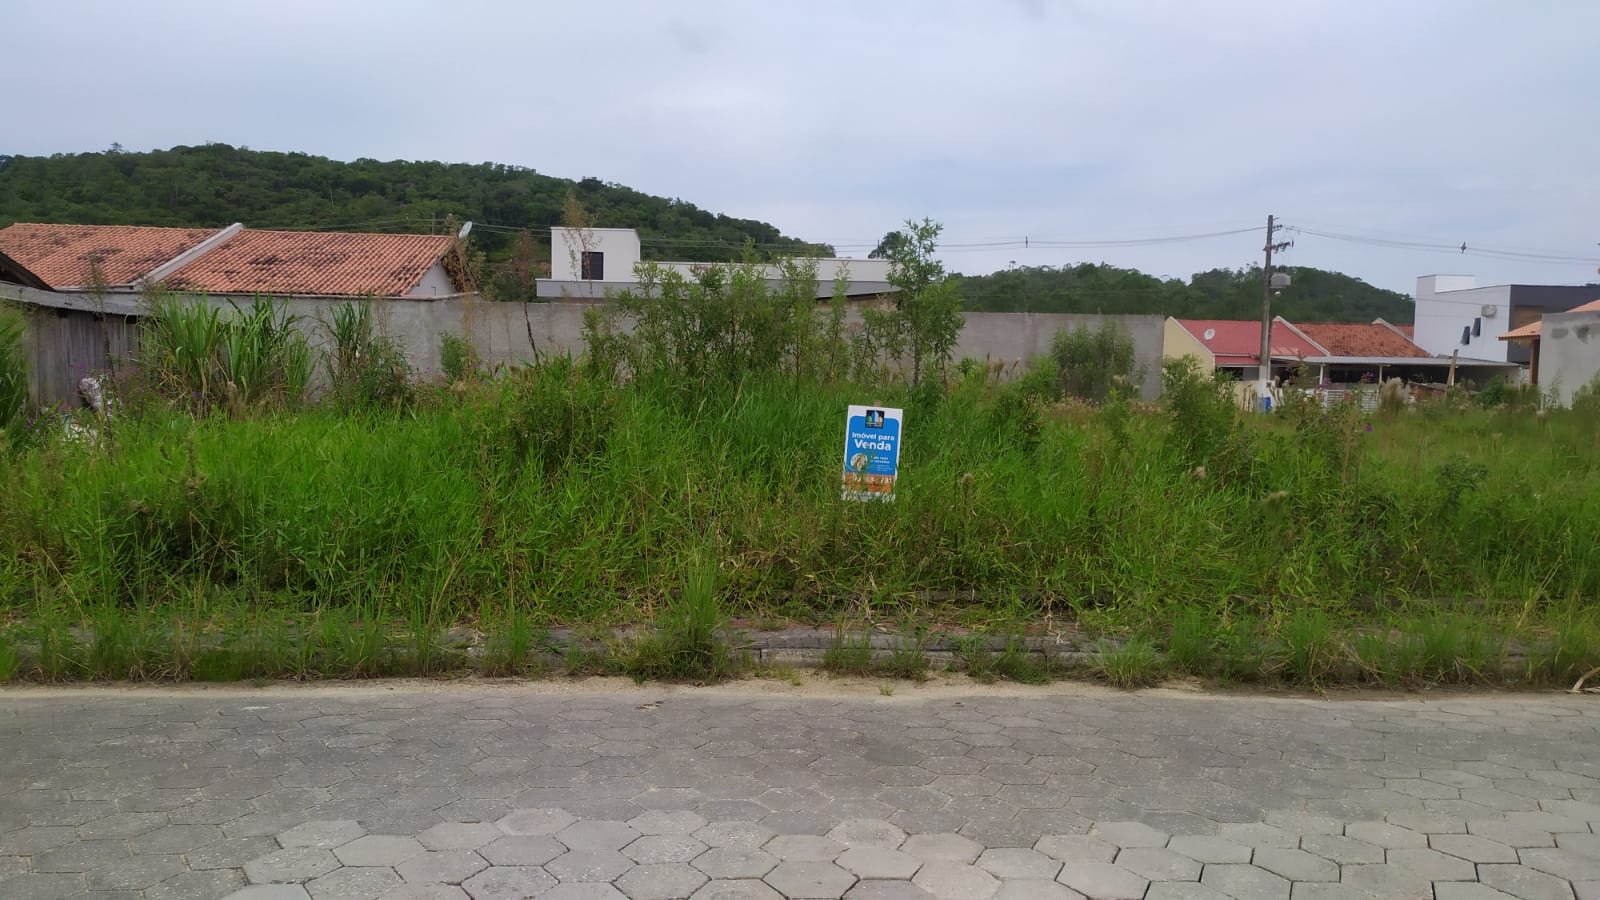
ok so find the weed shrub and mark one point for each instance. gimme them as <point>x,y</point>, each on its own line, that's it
<point>1093,364</point>
<point>366,370</point>
<point>13,372</point>
<point>205,359</point>
<point>690,640</point>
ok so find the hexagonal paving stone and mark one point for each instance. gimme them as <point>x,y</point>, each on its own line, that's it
<point>1473,848</point>
<point>269,892</point>
<point>1016,862</point>
<point>1245,882</point>
<point>748,835</point>
<point>1129,834</point>
<point>459,835</point>
<point>1258,834</point>
<point>1207,849</point>
<point>1296,865</point>
<point>1028,889</point>
<point>121,825</point>
<point>1462,890</point>
<point>1157,864</point>
<point>1521,881</point>
<point>661,821</point>
<point>1385,880</point>
<point>1193,890</point>
<point>378,850</point>
<point>442,867</point>
<point>1076,848</point>
<point>887,890</point>
<point>803,847</point>
<point>943,847</point>
<point>353,883</point>
<point>875,863</point>
<point>82,856</point>
<point>545,820</point>
<point>1387,836</point>
<point>1103,881</point>
<point>809,880</point>
<point>589,865</point>
<point>425,892</point>
<point>292,865</point>
<point>597,834</point>
<point>589,891</point>
<point>176,839</point>
<point>1342,850</point>
<point>665,881</point>
<point>737,889</point>
<point>1567,864</point>
<point>735,863</point>
<point>868,833</point>
<point>509,883</point>
<point>522,850</point>
<point>134,874</point>
<point>660,849</point>
<point>324,833</point>
<point>187,885</point>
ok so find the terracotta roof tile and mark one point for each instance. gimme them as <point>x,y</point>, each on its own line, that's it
<point>1238,342</point>
<point>1350,339</point>
<point>319,263</point>
<point>64,255</point>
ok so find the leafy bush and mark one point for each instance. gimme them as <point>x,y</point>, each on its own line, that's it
<point>1092,364</point>
<point>366,369</point>
<point>458,358</point>
<point>1201,409</point>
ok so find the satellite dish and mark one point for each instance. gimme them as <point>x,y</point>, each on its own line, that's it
<point>1210,333</point>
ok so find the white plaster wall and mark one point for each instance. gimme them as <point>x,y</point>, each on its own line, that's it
<point>1569,353</point>
<point>1447,303</point>
<point>620,246</point>
<point>435,283</point>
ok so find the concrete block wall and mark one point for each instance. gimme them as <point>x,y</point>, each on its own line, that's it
<point>512,333</point>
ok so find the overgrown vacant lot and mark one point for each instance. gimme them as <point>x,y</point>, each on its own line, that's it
<point>550,497</point>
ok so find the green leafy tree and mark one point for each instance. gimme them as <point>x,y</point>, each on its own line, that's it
<point>891,242</point>
<point>918,333</point>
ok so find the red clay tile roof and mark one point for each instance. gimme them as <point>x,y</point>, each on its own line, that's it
<point>63,255</point>
<point>1238,343</point>
<point>1348,339</point>
<point>308,262</point>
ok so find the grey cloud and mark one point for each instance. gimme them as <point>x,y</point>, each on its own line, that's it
<point>836,120</point>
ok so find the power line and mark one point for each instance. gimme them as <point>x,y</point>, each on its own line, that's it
<point>1463,248</point>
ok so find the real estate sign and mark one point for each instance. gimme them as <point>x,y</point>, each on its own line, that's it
<point>871,452</point>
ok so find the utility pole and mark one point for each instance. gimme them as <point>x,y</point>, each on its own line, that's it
<point>1264,383</point>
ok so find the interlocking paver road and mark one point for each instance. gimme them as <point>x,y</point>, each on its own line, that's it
<point>752,791</point>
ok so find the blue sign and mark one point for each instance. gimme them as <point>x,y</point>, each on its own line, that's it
<point>871,452</point>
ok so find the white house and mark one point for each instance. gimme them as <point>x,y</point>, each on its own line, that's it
<point>593,263</point>
<point>1454,315</point>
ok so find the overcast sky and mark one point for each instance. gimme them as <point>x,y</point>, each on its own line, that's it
<point>1444,121</point>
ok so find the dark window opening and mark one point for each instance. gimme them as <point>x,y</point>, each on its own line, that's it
<point>1477,327</point>
<point>1466,335</point>
<point>594,265</point>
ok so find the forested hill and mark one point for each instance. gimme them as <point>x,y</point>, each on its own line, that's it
<point>215,185</point>
<point>1314,295</point>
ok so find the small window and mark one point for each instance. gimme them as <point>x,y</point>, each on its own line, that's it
<point>1466,335</point>
<point>594,265</point>
<point>1477,327</point>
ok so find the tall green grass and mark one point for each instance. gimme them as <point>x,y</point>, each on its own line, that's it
<point>583,501</point>
<point>13,376</point>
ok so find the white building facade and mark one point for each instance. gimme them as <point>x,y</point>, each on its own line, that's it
<point>594,263</point>
<point>1455,315</point>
